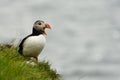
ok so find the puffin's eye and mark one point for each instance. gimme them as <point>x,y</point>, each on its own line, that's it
<point>39,23</point>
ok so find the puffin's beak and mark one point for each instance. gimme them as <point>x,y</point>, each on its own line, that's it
<point>47,26</point>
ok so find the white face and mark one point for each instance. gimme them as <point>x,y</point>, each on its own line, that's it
<point>38,25</point>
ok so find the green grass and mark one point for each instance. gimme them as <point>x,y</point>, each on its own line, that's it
<point>13,67</point>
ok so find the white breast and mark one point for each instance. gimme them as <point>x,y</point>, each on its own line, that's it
<point>33,45</point>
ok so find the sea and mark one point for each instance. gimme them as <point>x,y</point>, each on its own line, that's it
<point>84,42</point>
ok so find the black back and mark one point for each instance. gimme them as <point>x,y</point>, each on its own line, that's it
<point>34,33</point>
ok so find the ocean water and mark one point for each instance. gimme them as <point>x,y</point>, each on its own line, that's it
<point>84,43</point>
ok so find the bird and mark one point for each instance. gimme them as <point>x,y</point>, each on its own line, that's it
<point>33,44</point>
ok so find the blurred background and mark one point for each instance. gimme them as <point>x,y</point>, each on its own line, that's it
<point>84,43</point>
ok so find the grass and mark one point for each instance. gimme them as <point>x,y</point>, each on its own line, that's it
<point>13,67</point>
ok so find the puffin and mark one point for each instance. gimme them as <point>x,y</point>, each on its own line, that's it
<point>33,44</point>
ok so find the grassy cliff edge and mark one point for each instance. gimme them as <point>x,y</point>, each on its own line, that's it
<point>13,67</point>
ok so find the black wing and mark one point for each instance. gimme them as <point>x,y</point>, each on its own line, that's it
<point>20,50</point>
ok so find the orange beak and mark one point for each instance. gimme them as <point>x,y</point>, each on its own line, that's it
<point>47,26</point>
